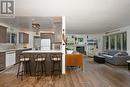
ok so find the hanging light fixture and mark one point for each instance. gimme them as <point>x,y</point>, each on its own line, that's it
<point>36,26</point>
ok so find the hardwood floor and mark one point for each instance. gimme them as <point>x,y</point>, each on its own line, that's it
<point>94,75</point>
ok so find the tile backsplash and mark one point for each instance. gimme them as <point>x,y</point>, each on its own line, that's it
<point>7,46</point>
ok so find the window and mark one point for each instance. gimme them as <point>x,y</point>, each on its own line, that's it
<point>106,42</point>
<point>112,42</point>
<point>118,42</point>
<point>124,40</point>
<point>13,38</point>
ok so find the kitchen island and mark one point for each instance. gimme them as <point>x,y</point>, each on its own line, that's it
<point>48,64</point>
<point>43,51</point>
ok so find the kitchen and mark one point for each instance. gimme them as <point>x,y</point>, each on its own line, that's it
<point>24,33</point>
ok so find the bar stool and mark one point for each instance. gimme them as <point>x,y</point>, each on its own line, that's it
<point>24,65</point>
<point>40,66</point>
<point>56,60</point>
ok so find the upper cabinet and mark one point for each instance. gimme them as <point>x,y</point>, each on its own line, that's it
<point>48,36</point>
<point>11,34</point>
<point>23,37</point>
<point>3,34</point>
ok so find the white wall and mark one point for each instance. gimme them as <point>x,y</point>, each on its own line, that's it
<point>98,37</point>
<point>31,39</point>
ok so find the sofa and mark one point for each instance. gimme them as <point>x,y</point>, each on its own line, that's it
<point>99,59</point>
<point>115,57</point>
<point>74,59</point>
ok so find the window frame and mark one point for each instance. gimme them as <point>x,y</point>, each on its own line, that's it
<point>123,36</point>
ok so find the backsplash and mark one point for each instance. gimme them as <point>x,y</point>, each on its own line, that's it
<point>7,46</point>
<point>25,45</point>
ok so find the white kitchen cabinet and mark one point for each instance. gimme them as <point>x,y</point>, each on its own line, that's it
<point>10,58</point>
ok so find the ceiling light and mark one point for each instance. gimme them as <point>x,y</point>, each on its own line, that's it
<point>36,27</point>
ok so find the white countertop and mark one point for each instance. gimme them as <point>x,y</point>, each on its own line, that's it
<point>128,61</point>
<point>14,49</point>
<point>43,51</point>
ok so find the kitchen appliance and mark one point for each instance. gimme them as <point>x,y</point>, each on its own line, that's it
<point>45,44</point>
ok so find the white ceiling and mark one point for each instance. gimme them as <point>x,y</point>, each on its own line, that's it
<point>24,23</point>
<point>82,16</point>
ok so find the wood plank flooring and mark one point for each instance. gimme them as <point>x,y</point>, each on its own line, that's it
<point>94,75</point>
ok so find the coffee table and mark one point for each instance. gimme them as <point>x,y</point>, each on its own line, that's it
<point>128,61</point>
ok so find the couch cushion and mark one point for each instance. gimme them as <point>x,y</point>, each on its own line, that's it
<point>121,54</point>
<point>108,56</point>
<point>100,53</point>
<point>112,52</point>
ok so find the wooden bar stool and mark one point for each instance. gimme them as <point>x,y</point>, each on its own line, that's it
<point>24,65</point>
<point>56,60</point>
<point>40,66</point>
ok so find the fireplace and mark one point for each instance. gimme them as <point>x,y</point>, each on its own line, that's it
<point>80,49</point>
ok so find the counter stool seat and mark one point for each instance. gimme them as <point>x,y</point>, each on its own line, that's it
<point>128,61</point>
<point>40,59</point>
<point>24,59</point>
<point>56,59</point>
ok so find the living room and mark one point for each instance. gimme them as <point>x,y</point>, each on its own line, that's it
<point>110,55</point>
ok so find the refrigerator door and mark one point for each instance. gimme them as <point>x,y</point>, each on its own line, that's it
<point>45,44</point>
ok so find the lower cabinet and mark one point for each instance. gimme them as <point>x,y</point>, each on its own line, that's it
<point>2,61</point>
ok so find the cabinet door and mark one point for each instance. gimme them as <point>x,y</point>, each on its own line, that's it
<point>20,37</point>
<point>10,58</point>
<point>26,38</point>
<point>3,34</point>
<point>23,37</point>
<point>2,61</point>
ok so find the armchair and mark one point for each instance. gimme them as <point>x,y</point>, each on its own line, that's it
<point>74,60</point>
